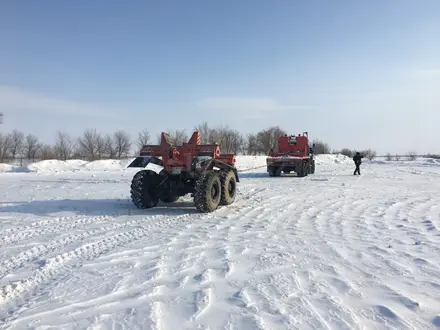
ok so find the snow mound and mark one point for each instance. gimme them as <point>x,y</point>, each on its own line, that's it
<point>250,162</point>
<point>333,159</point>
<point>243,163</point>
<point>51,165</point>
<point>106,165</point>
<point>5,168</point>
<point>76,162</point>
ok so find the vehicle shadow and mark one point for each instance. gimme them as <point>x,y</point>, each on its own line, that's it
<point>96,207</point>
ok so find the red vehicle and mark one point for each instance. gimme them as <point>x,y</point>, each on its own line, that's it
<point>172,171</point>
<point>294,154</point>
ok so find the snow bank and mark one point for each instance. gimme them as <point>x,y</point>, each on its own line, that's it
<point>76,162</point>
<point>416,162</point>
<point>51,166</point>
<point>243,163</point>
<point>5,168</point>
<point>333,159</point>
<point>250,162</point>
<point>106,165</point>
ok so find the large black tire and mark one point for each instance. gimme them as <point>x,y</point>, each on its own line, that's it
<point>207,194</point>
<point>312,167</point>
<point>302,170</point>
<point>228,186</point>
<point>274,171</point>
<point>143,189</point>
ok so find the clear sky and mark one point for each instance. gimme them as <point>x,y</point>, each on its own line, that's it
<point>358,74</point>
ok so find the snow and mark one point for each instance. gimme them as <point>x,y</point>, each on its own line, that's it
<point>5,168</point>
<point>328,251</point>
<point>50,166</point>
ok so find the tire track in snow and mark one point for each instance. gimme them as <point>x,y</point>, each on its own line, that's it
<point>197,259</point>
<point>371,256</point>
<point>327,215</point>
<point>19,260</point>
<point>68,262</point>
<point>74,259</point>
<point>325,230</point>
<point>202,262</point>
<point>50,228</point>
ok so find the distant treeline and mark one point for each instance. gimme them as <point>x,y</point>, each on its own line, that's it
<point>93,145</point>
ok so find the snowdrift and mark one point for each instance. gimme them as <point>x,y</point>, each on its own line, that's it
<point>243,163</point>
<point>5,168</point>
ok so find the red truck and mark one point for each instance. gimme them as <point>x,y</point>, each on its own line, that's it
<point>294,154</point>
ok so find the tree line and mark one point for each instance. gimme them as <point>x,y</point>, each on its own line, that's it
<point>93,145</point>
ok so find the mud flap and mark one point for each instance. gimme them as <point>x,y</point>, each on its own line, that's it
<point>140,161</point>
<point>148,163</point>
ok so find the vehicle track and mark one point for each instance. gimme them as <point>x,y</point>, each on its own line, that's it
<point>48,227</point>
<point>74,259</point>
<point>22,292</point>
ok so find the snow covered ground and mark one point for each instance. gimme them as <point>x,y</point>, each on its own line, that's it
<point>328,251</point>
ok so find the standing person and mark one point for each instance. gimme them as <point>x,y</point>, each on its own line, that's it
<point>357,161</point>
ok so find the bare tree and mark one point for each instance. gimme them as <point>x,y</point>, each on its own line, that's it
<point>388,157</point>
<point>347,152</point>
<point>268,139</point>
<point>412,155</point>
<point>5,145</point>
<point>45,152</point>
<point>122,144</point>
<point>1,117</point>
<point>91,145</point>
<point>110,147</point>
<point>31,147</point>
<point>252,145</point>
<point>229,140</point>
<point>178,137</point>
<point>64,145</point>
<point>205,132</point>
<point>17,143</point>
<point>369,154</point>
<point>321,147</point>
<point>101,147</point>
<point>143,138</point>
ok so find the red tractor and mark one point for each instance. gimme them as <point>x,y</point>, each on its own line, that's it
<point>294,154</point>
<point>172,171</point>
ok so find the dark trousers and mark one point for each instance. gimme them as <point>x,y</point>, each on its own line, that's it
<point>357,170</point>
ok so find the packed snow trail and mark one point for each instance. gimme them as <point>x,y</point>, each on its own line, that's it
<point>329,251</point>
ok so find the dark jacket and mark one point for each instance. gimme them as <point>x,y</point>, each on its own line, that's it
<point>358,159</point>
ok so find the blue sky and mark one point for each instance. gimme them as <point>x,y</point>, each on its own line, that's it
<point>358,74</point>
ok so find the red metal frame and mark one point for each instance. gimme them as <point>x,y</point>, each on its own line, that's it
<point>182,156</point>
<point>290,148</point>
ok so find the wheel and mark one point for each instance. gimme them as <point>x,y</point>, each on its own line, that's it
<point>274,171</point>
<point>312,167</point>
<point>207,193</point>
<point>143,187</point>
<point>302,170</point>
<point>228,187</point>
